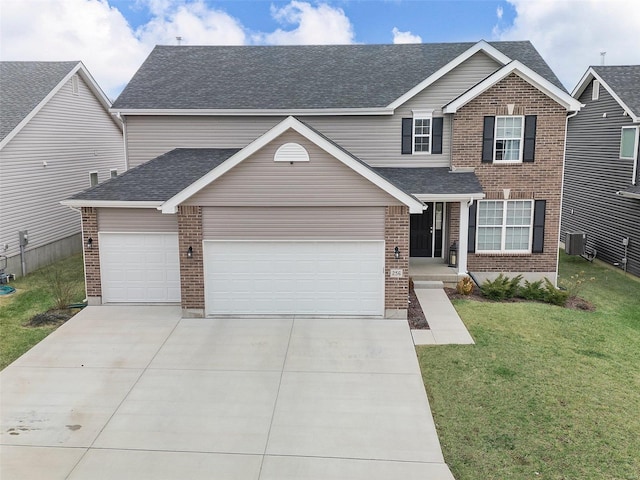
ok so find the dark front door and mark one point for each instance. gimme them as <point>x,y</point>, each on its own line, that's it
<point>425,232</point>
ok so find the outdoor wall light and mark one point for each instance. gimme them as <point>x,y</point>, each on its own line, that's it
<point>189,252</point>
<point>453,255</point>
<point>89,243</point>
<point>396,253</point>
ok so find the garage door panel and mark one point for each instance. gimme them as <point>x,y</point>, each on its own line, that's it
<point>283,277</point>
<point>140,267</point>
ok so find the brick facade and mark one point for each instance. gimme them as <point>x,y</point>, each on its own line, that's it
<point>540,180</point>
<point>191,269</point>
<point>91,255</point>
<point>396,233</point>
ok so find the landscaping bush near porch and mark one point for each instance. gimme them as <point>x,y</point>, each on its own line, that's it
<point>546,392</point>
<point>53,286</point>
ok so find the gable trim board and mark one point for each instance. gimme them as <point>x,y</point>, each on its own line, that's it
<point>592,74</point>
<point>171,205</point>
<point>79,69</point>
<point>524,72</point>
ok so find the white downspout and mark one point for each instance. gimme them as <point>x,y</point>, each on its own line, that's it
<point>564,161</point>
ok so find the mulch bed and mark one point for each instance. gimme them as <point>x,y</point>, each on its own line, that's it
<point>51,317</point>
<point>415,315</point>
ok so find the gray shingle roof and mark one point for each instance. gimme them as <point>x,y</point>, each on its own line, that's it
<point>23,85</point>
<point>161,178</point>
<point>625,82</point>
<point>436,181</point>
<point>296,77</point>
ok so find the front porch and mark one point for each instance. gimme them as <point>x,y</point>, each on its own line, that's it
<point>424,269</point>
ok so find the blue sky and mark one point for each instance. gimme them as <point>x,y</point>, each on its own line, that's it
<point>113,37</point>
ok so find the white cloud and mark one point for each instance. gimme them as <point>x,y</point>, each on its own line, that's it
<point>405,37</point>
<point>87,30</point>
<point>316,25</point>
<point>499,13</point>
<point>571,34</point>
<point>195,22</point>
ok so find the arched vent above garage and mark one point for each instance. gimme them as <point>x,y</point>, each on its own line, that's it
<point>291,152</point>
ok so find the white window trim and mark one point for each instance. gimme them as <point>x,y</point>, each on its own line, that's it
<point>75,84</point>
<point>595,92</point>
<point>495,139</point>
<point>421,115</point>
<point>113,173</point>
<point>503,237</point>
<point>97,178</point>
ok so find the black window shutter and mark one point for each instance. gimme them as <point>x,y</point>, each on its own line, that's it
<point>407,135</point>
<point>538,226</point>
<point>436,135</point>
<point>471,241</point>
<point>487,139</point>
<point>529,138</point>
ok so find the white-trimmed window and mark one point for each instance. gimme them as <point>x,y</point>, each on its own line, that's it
<point>422,134</point>
<point>113,172</point>
<point>505,226</point>
<point>75,84</point>
<point>629,143</point>
<point>509,136</point>
<point>93,179</point>
<point>595,93</point>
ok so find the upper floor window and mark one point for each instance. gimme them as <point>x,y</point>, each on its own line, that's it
<point>629,143</point>
<point>114,172</point>
<point>75,84</point>
<point>509,139</point>
<point>93,179</point>
<point>505,226</point>
<point>421,132</point>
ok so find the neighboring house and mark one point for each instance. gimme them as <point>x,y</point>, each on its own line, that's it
<point>602,175</point>
<point>56,137</point>
<point>305,179</point>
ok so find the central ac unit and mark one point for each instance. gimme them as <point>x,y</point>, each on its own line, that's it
<point>575,243</point>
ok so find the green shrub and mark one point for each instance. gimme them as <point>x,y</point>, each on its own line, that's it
<point>532,291</point>
<point>553,295</point>
<point>501,288</point>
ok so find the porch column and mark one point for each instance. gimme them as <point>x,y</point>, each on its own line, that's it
<point>463,236</point>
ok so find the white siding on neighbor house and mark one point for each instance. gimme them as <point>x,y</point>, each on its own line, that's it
<point>374,139</point>
<point>74,135</point>
<point>293,223</point>
<point>322,181</point>
<point>136,220</point>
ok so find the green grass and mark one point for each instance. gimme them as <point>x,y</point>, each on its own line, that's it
<point>546,392</point>
<point>33,295</point>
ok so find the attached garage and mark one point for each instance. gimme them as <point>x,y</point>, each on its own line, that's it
<point>139,260</point>
<point>302,277</point>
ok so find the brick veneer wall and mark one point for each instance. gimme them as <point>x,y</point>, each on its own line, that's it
<point>191,269</point>
<point>540,180</point>
<point>92,255</point>
<point>396,233</point>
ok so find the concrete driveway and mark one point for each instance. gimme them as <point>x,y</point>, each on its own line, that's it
<point>138,392</point>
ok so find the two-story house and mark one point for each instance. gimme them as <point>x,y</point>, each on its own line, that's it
<point>306,179</point>
<point>602,176</point>
<point>57,137</point>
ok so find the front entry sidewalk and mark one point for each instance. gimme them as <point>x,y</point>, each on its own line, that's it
<point>445,325</point>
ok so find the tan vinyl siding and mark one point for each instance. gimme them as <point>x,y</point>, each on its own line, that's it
<point>373,139</point>
<point>293,223</point>
<point>136,220</point>
<point>74,135</point>
<point>322,181</point>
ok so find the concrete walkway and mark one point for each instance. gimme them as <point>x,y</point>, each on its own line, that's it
<point>140,393</point>
<point>446,327</point>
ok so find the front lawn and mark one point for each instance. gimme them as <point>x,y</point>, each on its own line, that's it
<point>546,392</point>
<point>34,295</point>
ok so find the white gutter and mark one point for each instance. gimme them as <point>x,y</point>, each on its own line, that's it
<point>110,204</point>
<point>448,197</point>
<point>253,112</point>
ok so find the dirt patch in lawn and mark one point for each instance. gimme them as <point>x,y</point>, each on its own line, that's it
<point>51,317</point>
<point>415,315</point>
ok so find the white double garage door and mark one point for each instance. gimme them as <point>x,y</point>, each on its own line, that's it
<point>249,277</point>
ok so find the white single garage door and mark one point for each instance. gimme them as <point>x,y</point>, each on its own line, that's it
<point>294,277</point>
<point>139,267</point>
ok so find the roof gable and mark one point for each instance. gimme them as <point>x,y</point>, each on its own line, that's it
<point>296,80</point>
<point>515,67</point>
<point>291,123</point>
<point>622,82</point>
<point>27,86</point>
